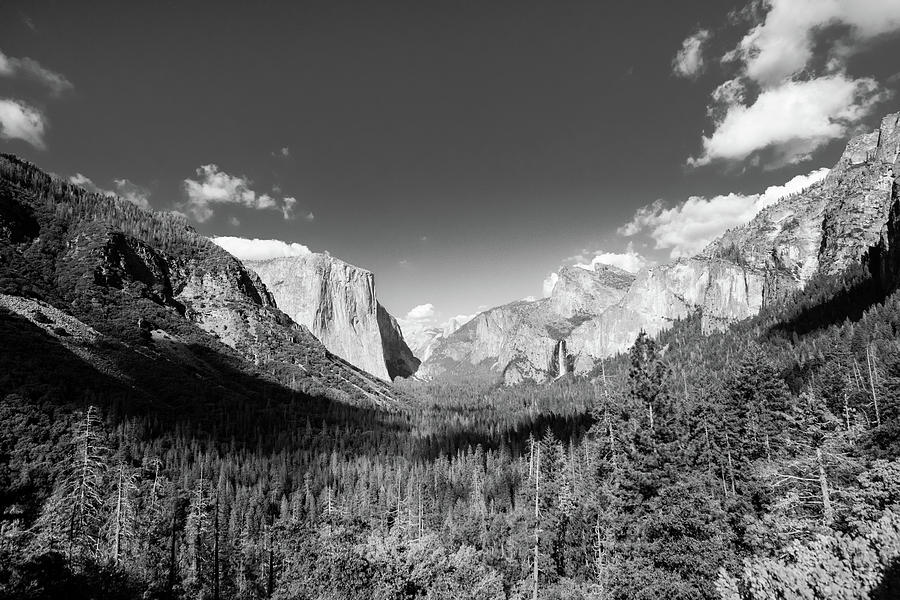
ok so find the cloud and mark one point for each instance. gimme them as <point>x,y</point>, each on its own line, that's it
<point>309,216</point>
<point>629,260</point>
<point>287,208</point>
<point>32,69</point>
<point>793,119</point>
<point>125,189</point>
<point>689,62</point>
<point>783,44</point>
<point>549,283</point>
<point>454,323</point>
<point>256,249</point>
<point>687,228</point>
<point>218,187</point>
<point>788,93</point>
<point>19,121</point>
<point>424,316</point>
<point>422,312</point>
<point>285,151</point>
<point>137,195</point>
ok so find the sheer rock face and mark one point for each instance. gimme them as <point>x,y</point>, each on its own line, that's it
<point>583,291</point>
<point>521,341</point>
<point>130,274</point>
<point>337,302</point>
<point>823,229</point>
<point>423,341</point>
<point>725,292</point>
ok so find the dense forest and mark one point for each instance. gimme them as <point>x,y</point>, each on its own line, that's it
<point>759,462</point>
<point>756,463</point>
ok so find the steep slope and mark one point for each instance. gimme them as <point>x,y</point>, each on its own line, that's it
<point>127,273</point>
<point>422,341</point>
<point>823,229</point>
<point>337,302</point>
<point>527,340</point>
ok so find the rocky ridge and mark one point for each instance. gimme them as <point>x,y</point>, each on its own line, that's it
<point>337,302</point>
<point>127,273</point>
<point>823,229</point>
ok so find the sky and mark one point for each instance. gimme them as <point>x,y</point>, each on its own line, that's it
<point>462,151</point>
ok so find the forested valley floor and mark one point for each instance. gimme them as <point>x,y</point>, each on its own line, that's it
<point>757,463</point>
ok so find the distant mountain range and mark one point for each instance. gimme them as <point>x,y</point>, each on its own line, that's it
<point>592,314</point>
<point>95,272</point>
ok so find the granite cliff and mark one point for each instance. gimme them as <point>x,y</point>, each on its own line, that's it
<point>154,292</point>
<point>337,302</point>
<point>527,340</point>
<point>822,229</point>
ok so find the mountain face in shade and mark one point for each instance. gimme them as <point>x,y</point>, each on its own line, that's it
<point>337,302</point>
<point>825,228</point>
<point>144,290</point>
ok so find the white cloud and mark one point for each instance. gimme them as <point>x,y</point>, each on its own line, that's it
<point>287,209</point>
<point>285,151</point>
<point>125,189</point>
<point>20,121</point>
<point>629,260</point>
<point>424,316</point>
<point>782,45</point>
<point>793,119</point>
<point>218,187</point>
<point>137,195</point>
<point>28,67</point>
<point>422,312</point>
<point>789,93</point>
<point>309,216</point>
<point>689,62</point>
<point>454,323</point>
<point>689,227</point>
<point>549,283</point>
<point>256,249</point>
<point>87,183</point>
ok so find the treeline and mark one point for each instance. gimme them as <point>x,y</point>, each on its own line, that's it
<point>755,463</point>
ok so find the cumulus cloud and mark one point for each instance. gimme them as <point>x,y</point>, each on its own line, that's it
<point>783,44</point>
<point>137,195</point>
<point>214,186</point>
<point>789,93</point>
<point>32,69</point>
<point>549,283</point>
<point>689,61</point>
<point>125,189</point>
<point>287,208</point>
<point>793,119</point>
<point>422,312</point>
<point>256,249</point>
<point>20,121</point>
<point>687,228</point>
<point>629,260</point>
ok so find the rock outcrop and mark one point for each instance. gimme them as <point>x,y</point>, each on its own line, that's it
<point>337,302</point>
<point>128,273</point>
<point>523,341</point>
<point>823,229</point>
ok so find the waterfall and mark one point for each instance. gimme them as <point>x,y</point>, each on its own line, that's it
<point>561,358</point>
